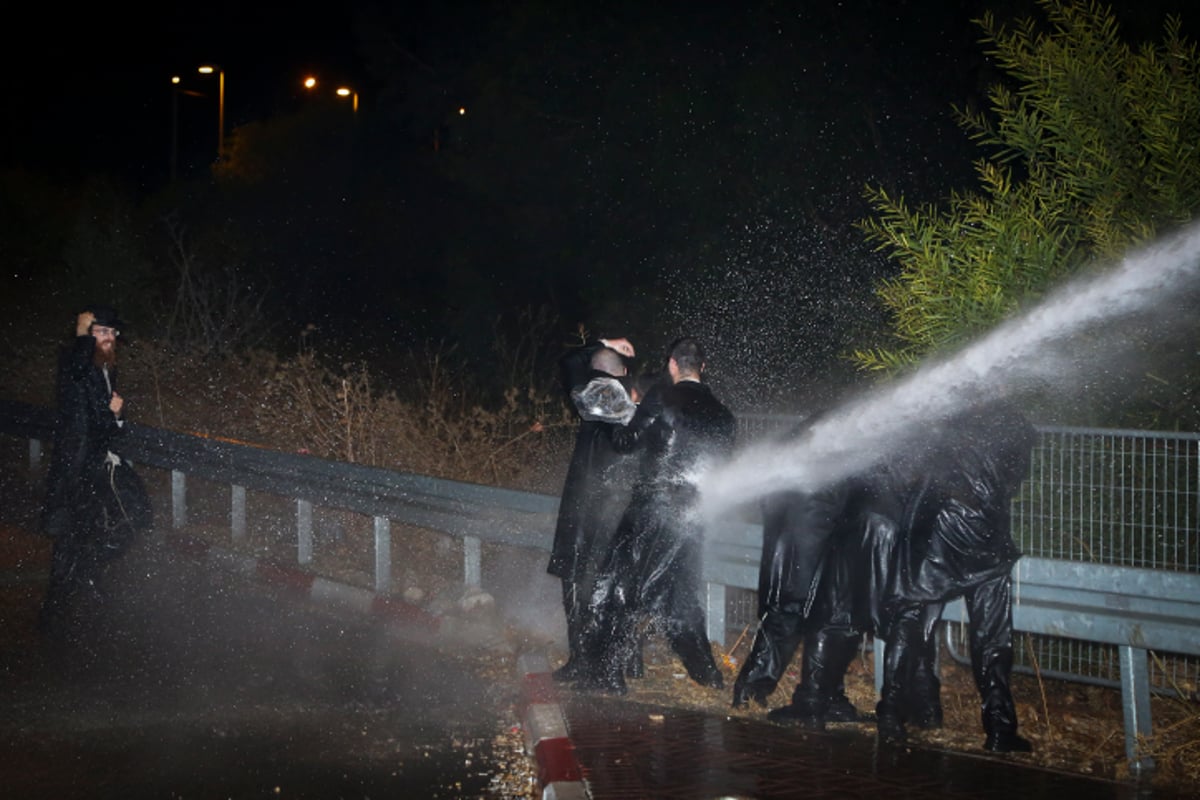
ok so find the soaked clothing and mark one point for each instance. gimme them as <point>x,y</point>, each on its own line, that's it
<point>797,528</point>
<point>651,573</point>
<point>595,494</point>
<point>959,544</point>
<point>912,535</point>
<point>95,503</point>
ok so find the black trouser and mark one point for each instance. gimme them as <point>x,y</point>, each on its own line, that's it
<point>74,569</point>
<point>779,634</point>
<point>650,574</point>
<point>828,651</point>
<point>910,683</point>
<point>106,514</point>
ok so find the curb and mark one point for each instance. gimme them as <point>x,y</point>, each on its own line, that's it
<point>309,585</point>
<point>545,726</point>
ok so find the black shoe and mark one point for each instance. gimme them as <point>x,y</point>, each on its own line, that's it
<point>890,728</point>
<point>713,680</point>
<point>743,694</point>
<point>840,709</point>
<point>603,684</point>
<point>927,719</point>
<point>569,672</point>
<point>799,717</point>
<point>1007,742</point>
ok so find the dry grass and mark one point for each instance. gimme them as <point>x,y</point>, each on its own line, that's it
<point>336,410</point>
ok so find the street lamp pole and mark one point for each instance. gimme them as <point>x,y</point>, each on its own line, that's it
<point>174,127</point>
<point>344,91</point>
<point>209,69</point>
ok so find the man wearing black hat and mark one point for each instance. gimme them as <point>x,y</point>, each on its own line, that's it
<point>95,502</point>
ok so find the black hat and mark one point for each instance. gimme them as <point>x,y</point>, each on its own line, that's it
<point>106,316</point>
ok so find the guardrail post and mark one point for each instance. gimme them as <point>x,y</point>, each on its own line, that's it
<point>472,561</point>
<point>383,554</point>
<point>35,454</point>
<point>237,512</point>
<point>1135,699</point>
<point>304,531</point>
<point>879,651</point>
<point>178,499</point>
<point>714,602</point>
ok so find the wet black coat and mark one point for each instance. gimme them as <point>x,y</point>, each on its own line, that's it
<point>597,486</point>
<point>796,529</point>
<point>677,427</point>
<point>653,567</point>
<point>956,531</point>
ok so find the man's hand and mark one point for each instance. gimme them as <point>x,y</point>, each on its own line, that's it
<point>83,323</point>
<point>622,346</point>
<point>116,404</point>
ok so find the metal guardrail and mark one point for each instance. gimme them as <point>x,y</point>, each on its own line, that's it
<point>1133,609</point>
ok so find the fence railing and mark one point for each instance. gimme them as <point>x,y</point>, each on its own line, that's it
<point>1063,503</point>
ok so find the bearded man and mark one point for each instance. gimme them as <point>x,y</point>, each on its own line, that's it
<point>95,503</point>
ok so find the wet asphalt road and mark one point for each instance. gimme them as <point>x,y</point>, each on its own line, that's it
<point>192,683</point>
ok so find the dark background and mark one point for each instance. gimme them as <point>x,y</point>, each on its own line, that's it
<point>646,169</point>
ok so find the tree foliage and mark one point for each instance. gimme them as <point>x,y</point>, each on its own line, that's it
<point>1091,146</point>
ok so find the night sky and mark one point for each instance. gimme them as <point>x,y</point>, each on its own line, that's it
<point>595,227</point>
<point>88,87</point>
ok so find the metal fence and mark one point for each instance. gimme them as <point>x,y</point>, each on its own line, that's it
<point>1112,497</point>
<point>1105,496</point>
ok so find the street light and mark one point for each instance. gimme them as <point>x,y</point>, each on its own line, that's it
<point>176,90</point>
<point>209,69</point>
<point>310,83</point>
<point>344,91</point>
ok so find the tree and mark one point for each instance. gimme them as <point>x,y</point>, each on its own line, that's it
<point>1092,147</point>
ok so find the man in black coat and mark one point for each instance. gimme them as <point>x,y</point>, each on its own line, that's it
<point>838,608</point>
<point>796,528</point>
<point>95,503</point>
<point>957,542</point>
<point>652,570</point>
<point>925,529</point>
<point>596,489</point>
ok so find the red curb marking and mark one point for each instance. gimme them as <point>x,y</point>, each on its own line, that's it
<point>556,761</point>
<point>403,612</point>
<point>539,688</point>
<point>291,578</point>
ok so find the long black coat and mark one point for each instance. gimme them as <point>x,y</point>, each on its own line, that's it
<point>934,526</point>
<point>596,489</point>
<point>85,491</point>
<point>958,528</point>
<point>796,528</point>
<point>655,559</point>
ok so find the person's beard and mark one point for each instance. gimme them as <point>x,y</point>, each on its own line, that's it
<point>105,357</point>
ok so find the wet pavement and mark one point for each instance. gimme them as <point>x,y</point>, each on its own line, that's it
<point>631,750</point>
<point>194,683</point>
